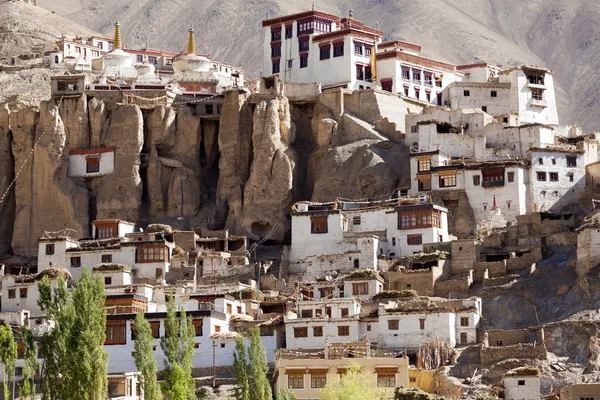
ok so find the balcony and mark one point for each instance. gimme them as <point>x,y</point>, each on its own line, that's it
<point>492,183</point>
<point>538,103</point>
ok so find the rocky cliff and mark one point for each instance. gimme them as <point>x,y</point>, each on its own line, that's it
<point>242,172</point>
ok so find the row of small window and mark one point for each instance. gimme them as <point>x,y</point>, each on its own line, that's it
<point>303,63</point>
<point>310,313</point>
<point>12,293</point>
<point>362,49</point>
<point>318,381</point>
<point>553,176</point>
<point>302,331</point>
<point>419,220</point>
<point>116,330</point>
<point>151,59</point>
<point>305,27</point>
<point>325,50</point>
<point>416,76</point>
<point>387,85</point>
<point>493,93</point>
<point>95,53</point>
<point>571,161</point>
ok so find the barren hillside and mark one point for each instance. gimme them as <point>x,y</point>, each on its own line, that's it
<point>559,34</point>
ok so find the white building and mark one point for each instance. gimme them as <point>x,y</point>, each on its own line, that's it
<point>313,46</point>
<point>113,242</point>
<point>522,384</point>
<point>404,325</point>
<point>344,236</point>
<point>90,163</point>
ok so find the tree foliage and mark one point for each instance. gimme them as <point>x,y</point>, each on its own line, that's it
<point>260,388</point>
<point>31,365</point>
<point>353,385</point>
<point>75,363</point>
<point>178,347</point>
<point>8,356</point>
<point>240,368</point>
<point>144,358</point>
<point>286,394</point>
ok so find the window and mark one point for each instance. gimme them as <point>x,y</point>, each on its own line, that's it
<point>414,240</point>
<point>422,323</point>
<point>100,45</point>
<point>553,176</point>
<point>152,60</point>
<point>464,339</point>
<point>541,161</point>
<point>428,78</point>
<point>318,381</point>
<point>318,225</point>
<point>541,176</point>
<point>414,129</point>
<point>537,94</point>
<point>416,73</point>
<point>12,293</point>
<point>229,309</point>
<point>18,371</point>
<point>23,293</point>
<point>494,93</point>
<point>393,324</point>
<point>406,73</point>
<point>476,180</point>
<point>106,258</point>
<point>343,312</point>
<point>464,321</point>
<point>360,288</point>
<point>338,49</point>
<point>521,382</point>
<point>417,93</point>
<point>553,161</point>
<point>49,249</point>
<point>107,280</point>
<point>424,183</point>
<point>510,176</point>
<point>105,233</point>
<point>360,72</point>
<point>239,309</point>
<point>427,95</point>
<point>386,380</point>
<point>222,345</point>
<point>317,331</point>
<point>356,220</point>
<point>217,328</point>
<point>406,88</point>
<point>358,48</point>
<point>92,165</point>
<point>296,381</point>
<point>152,253</point>
<point>343,330</point>
<point>275,69</point>
<point>276,33</point>
<point>301,331</point>
<point>276,50</point>
<point>447,180</point>
<point>484,109</point>
<point>368,75</point>
<point>328,311</point>
<point>288,32</point>
<point>290,64</point>
<point>307,313</point>
<point>75,262</point>
<point>115,332</point>
<point>324,52</point>
<point>325,292</point>
<point>303,44</point>
<point>466,93</point>
<point>197,323</point>
<point>356,263</point>
<point>418,219</point>
<point>438,80</point>
<point>424,165</point>
<point>208,109</point>
<point>303,60</point>
<point>570,177</point>
<point>393,241</point>
<point>571,161</point>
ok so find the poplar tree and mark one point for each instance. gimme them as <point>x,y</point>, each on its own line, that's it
<point>144,358</point>
<point>353,385</point>
<point>178,347</point>
<point>75,363</point>
<point>31,364</point>
<point>8,356</point>
<point>240,368</point>
<point>260,388</point>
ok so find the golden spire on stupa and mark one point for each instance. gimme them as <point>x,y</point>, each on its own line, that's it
<point>191,47</point>
<point>117,44</point>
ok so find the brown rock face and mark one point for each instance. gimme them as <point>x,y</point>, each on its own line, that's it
<point>120,195</point>
<point>98,116</point>
<point>7,203</point>
<point>268,194</point>
<point>74,114</point>
<point>47,200</point>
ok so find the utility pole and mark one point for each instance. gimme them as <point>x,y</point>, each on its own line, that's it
<point>214,380</point>
<point>212,263</point>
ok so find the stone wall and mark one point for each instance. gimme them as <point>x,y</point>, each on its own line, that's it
<point>457,285</point>
<point>494,270</point>
<point>515,336</point>
<point>491,355</point>
<point>420,281</point>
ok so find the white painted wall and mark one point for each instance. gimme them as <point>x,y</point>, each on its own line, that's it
<point>78,165</point>
<point>522,387</point>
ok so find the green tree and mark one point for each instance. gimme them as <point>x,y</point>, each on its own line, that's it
<point>353,385</point>
<point>286,394</point>
<point>178,346</point>
<point>75,363</point>
<point>31,365</point>
<point>240,368</point>
<point>144,358</point>
<point>8,355</point>
<point>260,388</point>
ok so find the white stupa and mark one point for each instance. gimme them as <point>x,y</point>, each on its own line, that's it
<point>190,61</point>
<point>118,63</point>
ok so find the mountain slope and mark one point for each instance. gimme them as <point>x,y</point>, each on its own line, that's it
<point>559,34</point>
